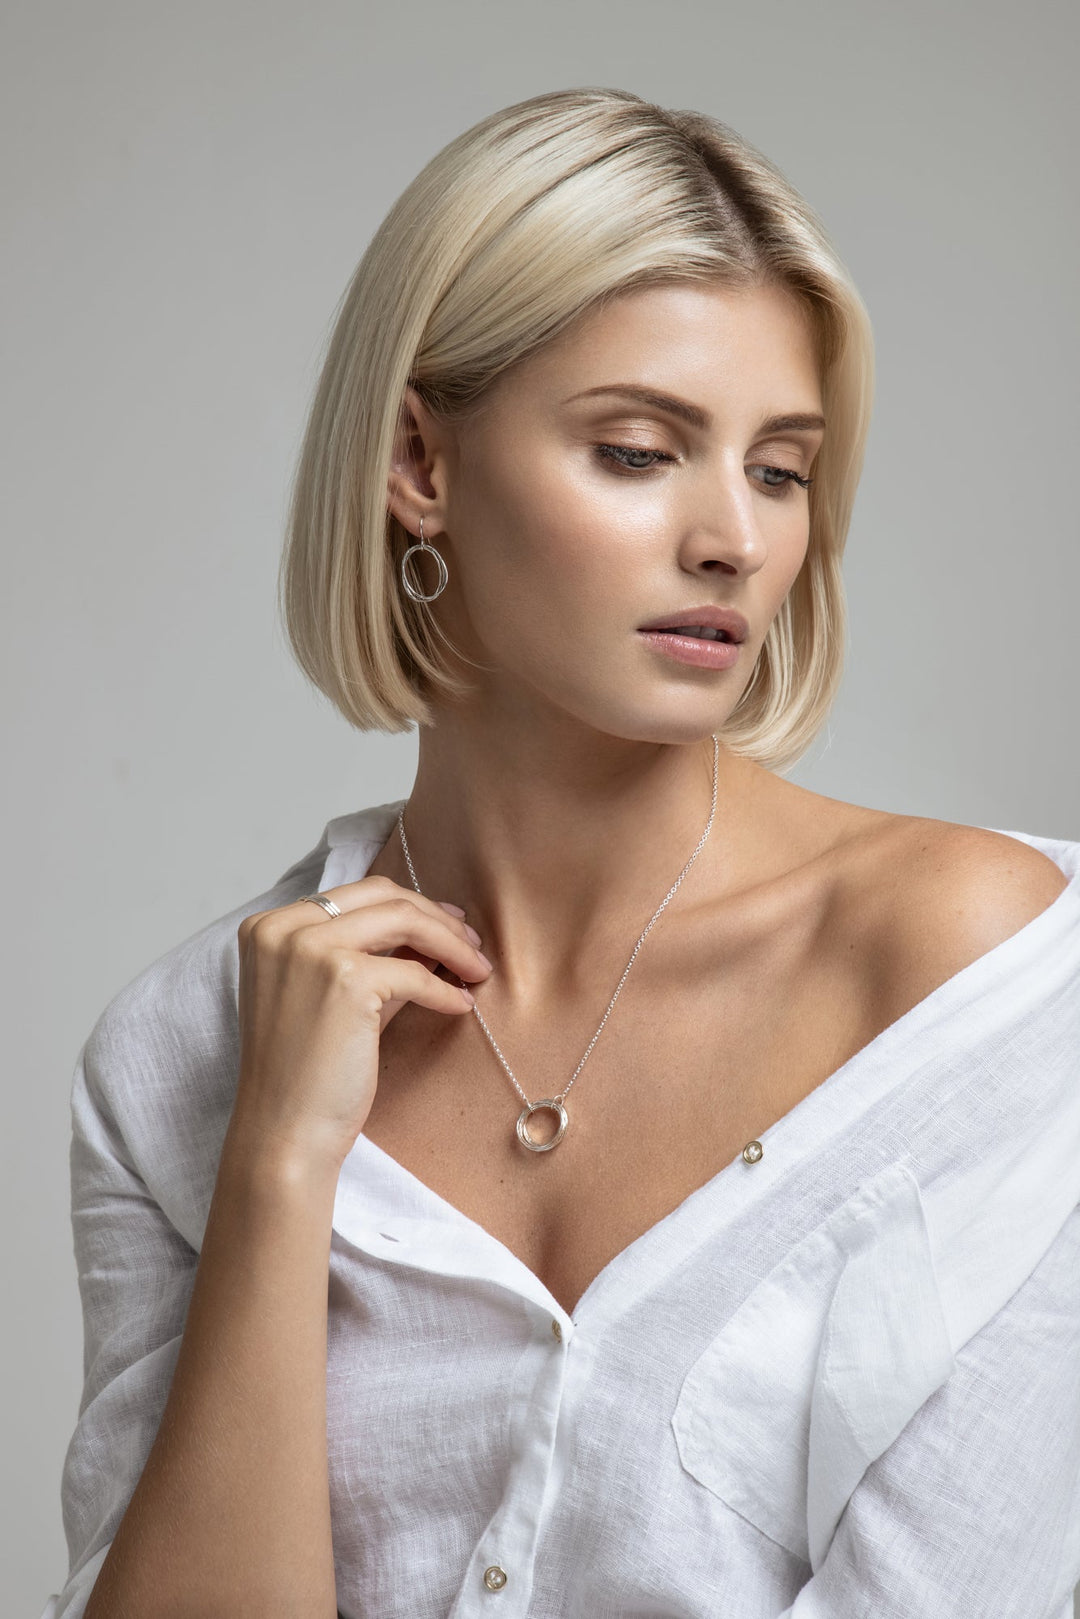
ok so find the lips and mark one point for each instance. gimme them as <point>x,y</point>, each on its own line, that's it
<point>696,650</point>
<point>698,632</point>
<point>722,623</point>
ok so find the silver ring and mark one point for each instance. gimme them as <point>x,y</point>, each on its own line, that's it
<point>324,900</point>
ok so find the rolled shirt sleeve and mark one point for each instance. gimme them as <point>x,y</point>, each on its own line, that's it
<point>135,1274</point>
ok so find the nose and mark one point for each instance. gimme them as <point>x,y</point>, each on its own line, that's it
<point>724,529</point>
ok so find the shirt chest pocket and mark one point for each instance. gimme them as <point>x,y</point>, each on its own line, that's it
<point>819,1368</point>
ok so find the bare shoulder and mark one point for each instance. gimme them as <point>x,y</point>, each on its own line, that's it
<point>983,885</point>
<point>937,895</point>
<point>903,902</point>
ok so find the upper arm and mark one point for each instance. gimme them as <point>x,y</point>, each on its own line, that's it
<point>135,1275</point>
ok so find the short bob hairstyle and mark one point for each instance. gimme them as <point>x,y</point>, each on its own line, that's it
<point>514,230</point>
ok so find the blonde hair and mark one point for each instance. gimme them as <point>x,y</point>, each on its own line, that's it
<point>511,232</point>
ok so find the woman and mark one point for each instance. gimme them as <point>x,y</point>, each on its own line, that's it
<point>742,1283</point>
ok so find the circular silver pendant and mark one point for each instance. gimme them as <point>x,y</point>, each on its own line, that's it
<point>526,1114</point>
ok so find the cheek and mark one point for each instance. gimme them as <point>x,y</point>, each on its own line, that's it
<point>602,526</point>
<point>597,547</point>
<point>556,542</point>
<point>792,546</point>
<point>787,556</point>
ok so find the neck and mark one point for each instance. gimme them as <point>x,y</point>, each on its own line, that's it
<point>561,844</point>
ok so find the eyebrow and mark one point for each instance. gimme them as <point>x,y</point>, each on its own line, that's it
<point>799,422</point>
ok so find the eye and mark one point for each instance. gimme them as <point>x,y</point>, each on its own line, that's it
<point>624,456</point>
<point>785,478</point>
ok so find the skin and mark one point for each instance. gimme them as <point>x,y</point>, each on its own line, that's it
<point>556,805</point>
<point>555,556</point>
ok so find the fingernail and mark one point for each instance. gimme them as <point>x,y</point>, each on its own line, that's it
<point>455,910</point>
<point>471,934</point>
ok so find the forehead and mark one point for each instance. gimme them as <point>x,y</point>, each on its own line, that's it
<point>705,341</point>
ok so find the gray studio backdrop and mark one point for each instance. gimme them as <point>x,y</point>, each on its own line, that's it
<point>186,192</point>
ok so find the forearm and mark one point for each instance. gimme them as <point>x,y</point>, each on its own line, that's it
<point>231,1515</point>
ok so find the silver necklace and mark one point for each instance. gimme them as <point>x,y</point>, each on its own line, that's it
<point>554,1104</point>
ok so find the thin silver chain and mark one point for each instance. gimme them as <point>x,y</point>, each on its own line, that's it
<point>648,926</point>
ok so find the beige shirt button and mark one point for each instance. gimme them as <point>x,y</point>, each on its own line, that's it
<point>494,1577</point>
<point>556,1330</point>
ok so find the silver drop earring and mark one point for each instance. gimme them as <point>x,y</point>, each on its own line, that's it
<point>418,595</point>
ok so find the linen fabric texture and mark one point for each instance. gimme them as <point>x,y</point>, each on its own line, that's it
<point>843,1381</point>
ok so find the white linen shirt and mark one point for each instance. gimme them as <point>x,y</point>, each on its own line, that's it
<point>842,1381</point>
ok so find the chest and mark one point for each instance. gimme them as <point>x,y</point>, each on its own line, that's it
<point>707,1045</point>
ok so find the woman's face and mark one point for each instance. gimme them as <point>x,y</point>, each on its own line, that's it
<point>574,510</point>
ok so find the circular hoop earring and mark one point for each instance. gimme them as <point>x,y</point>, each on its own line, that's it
<point>418,595</point>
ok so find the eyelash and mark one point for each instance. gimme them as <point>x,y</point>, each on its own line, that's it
<point>614,452</point>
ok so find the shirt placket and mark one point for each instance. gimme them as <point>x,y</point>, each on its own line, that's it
<point>498,1580</point>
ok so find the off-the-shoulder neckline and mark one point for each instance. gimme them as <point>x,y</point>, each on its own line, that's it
<point>991,980</point>
<point>370,827</point>
<point>984,976</point>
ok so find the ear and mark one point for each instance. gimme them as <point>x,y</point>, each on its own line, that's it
<point>416,486</point>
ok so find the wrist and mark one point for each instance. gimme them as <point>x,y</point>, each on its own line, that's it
<point>253,1147</point>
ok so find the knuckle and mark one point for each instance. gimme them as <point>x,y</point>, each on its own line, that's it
<point>302,942</point>
<point>259,929</point>
<point>369,1005</point>
<point>398,913</point>
<point>382,885</point>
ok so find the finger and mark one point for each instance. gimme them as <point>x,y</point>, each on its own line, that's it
<point>401,980</point>
<point>351,897</point>
<point>380,928</point>
<point>378,890</point>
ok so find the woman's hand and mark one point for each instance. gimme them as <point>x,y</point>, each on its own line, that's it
<point>316,992</point>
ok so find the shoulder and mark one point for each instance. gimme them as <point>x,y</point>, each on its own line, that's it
<point>909,877</point>
<point>188,995</point>
<point>158,1068</point>
<point>982,886</point>
<point>188,984</point>
<point>938,895</point>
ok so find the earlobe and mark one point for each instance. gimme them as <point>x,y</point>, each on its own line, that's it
<point>410,502</point>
